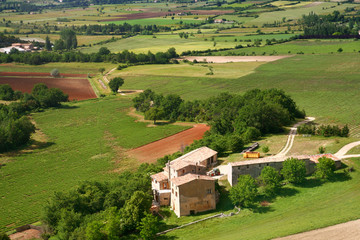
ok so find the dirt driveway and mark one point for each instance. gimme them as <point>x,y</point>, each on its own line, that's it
<point>343,231</point>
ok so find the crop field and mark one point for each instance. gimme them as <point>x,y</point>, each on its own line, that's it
<point>157,21</point>
<point>296,13</point>
<point>297,209</point>
<point>82,141</point>
<point>324,85</point>
<point>76,86</point>
<point>299,47</point>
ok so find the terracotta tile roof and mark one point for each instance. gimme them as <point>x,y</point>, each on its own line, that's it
<point>268,160</point>
<point>192,158</point>
<point>189,178</point>
<point>161,176</point>
<point>315,158</point>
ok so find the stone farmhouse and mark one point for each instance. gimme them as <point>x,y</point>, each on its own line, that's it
<point>184,185</point>
<point>254,167</point>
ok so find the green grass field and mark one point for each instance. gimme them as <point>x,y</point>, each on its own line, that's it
<point>157,21</point>
<point>298,46</point>
<point>326,86</point>
<point>297,209</point>
<point>83,141</point>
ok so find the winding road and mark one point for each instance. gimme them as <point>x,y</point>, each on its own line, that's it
<point>342,152</point>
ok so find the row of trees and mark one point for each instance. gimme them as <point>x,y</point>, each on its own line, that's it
<point>7,40</point>
<point>104,210</point>
<point>230,116</point>
<point>103,55</point>
<point>324,130</point>
<point>269,182</point>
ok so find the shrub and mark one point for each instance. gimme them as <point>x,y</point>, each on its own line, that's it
<point>244,192</point>
<point>271,180</point>
<point>6,92</point>
<point>55,73</point>
<point>325,168</point>
<point>294,170</point>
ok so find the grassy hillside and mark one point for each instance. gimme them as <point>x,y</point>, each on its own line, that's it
<point>82,141</point>
<point>326,86</point>
<point>297,209</point>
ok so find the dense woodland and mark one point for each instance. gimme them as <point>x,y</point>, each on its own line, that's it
<point>331,25</point>
<point>104,210</point>
<point>234,119</point>
<point>15,127</point>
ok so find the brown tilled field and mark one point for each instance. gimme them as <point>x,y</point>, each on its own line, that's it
<point>75,85</point>
<point>152,151</point>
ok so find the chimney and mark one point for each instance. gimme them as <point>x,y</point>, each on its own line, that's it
<point>168,165</point>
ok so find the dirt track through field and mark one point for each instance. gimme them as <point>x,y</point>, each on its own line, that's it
<point>76,88</point>
<point>226,59</point>
<point>343,231</point>
<point>151,152</point>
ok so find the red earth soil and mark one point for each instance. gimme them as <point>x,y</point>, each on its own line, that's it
<point>39,74</point>
<point>76,88</point>
<point>143,15</point>
<point>25,235</point>
<point>152,151</point>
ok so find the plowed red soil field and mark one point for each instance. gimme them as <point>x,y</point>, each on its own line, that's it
<point>76,88</point>
<point>151,152</point>
<point>40,74</point>
<point>143,15</point>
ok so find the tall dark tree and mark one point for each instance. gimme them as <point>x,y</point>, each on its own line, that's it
<point>48,46</point>
<point>69,38</point>
<point>115,83</point>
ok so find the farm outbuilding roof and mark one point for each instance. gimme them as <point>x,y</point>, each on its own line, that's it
<point>192,158</point>
<point>189,178</point>
<point>161,176</point>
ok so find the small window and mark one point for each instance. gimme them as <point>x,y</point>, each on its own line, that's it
<point>267,164</point>
<point>259,165</point>
<point>247,166</point>
<point>172,190</point>
<point>209,191</point>
<point>155,181</point>
<point>175,194</point>
<point>239,168</point>
<point>166,199</point>
<point>199,169</point>
<point>183,171</point>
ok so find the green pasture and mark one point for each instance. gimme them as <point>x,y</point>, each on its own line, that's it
<point>296,13</point>
<point>157,21</point>
<point>298,47</point>
<point>298,208</point>
<point>225,70</point>
<point>240,38</point>
<point>235,18</point>
<point>161,43</point>
<point>326,86</point>
<point>81,68</point>
<point>82,141</point>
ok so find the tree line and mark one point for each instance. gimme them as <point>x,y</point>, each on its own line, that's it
<point>15,127</point>
<point>234,119</point>
<point>104,55</point>
<point>324,130</point>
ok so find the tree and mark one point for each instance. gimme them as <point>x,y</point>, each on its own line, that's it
<point>115,83</point>
<point>154,114</point>
<point>244,192</point>
<point>48,46</point>
<point>265,149</point>
<point>235,143</point>
<point>294,170</point>
<point>104,51</point>
<point>4,236</point>
<point>6,92</point>
<point>325,168</point>
<point>59,45</point>
<point>69,38</point>
<point>321,149</point>
<point>149,227</point>
<point>102,70</point>
<point>271,179</point>
<point>55,73</point>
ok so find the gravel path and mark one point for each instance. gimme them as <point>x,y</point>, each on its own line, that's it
<point>343,231</point>
<point>291,137</point>
<point>341,153</point>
